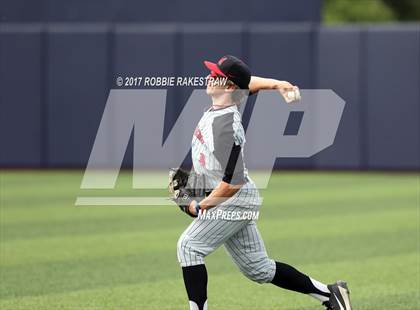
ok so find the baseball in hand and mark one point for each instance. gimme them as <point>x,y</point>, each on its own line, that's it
<point>292,95</point>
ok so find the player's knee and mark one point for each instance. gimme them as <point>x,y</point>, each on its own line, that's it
<point>188,252</point>
<point>261,270</point>
<point>181,248</point>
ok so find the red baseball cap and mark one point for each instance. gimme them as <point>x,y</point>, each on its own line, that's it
<point>233,68</point>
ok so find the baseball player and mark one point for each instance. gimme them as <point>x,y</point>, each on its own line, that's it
<point>218,155</point>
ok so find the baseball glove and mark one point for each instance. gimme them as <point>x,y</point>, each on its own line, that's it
<point>184,187</point>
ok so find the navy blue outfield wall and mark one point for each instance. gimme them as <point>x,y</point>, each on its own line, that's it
<point>141,11</point>
<point>55,78</point>
<point>21,110</point>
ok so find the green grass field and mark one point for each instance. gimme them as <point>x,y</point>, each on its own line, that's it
<point>362,227</point>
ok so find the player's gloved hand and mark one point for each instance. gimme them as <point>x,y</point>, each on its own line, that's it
<point>183,199</point>
<point>184,188</point>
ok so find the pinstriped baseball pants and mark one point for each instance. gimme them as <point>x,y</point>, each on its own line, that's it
<point>241,239</point>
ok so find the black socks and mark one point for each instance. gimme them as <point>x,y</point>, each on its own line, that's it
<point>195,279</point>
<point>289,278</point>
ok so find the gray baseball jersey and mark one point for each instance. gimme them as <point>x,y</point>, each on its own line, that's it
<point>218,153</point>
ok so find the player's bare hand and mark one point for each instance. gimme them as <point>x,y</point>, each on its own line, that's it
<point>289,92</point>
<point>284,85</point>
